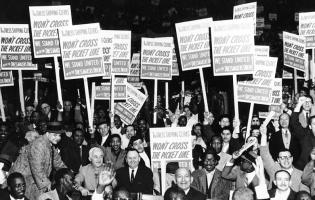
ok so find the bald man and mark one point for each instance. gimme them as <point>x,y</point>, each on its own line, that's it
<point>183,180</point>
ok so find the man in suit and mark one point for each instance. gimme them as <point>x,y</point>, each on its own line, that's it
<point>208,180</point>
<point>285,138</point>
<point>183,180</point>
<point>75,154</point>
<point>136,142</point>
<point>283,183</point>
<point>39,159</point>
<point>16,188</point>
<point>134,177</point>
<point>284,162</point>
<point>102,134</point>
<point>114,153</point>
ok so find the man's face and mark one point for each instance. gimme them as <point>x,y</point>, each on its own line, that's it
<point>78,137</point>
<point>187,112</point>
<point>115,143</point>
<point>224,122</point>
<point>284,120</point>
<point>103,129</point>
<point>97,158</point>
<point>4,133</point>
<point>307,105</point>
<point>216,144</point>
<point>255,121</point>
<point>54,138</point>
<point>138,145</point>
<point>226,136</point>
<point>282,181</point>
<point>42,127</point>
<point>247,166</point>
<point>101,113</point>
<point>183,178</point>
<point>117,122</point>
<point>28,111</point>
<point>182,122</point>
<point>255,132</point>
<point>211,118</point>
<point>68,182</point>
<point>130,131</point>
<point>210,163</point>
<point>45,108</point>
<point>197,131</point>
<point>285,159</point>
<point>17,188</point>
<point>142,125</point>
<point>35,117</point>
<point>67,106</point>
<point>133,159</point>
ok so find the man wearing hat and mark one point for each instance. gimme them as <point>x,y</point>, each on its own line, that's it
<point>38,161</point>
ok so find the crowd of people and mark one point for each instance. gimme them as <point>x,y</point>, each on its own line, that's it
<point>52,153</point>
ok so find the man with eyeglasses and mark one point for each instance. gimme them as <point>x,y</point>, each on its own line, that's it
<point>16,188</point>
<point>208,180</point>
<point>285,161</point>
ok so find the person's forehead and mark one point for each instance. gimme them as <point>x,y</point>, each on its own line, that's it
<point>225,119</point>
<point>78,133</point>
<point>97,152</point>
<point>226,131</point>
<point>138,141</point>
<point>115,138</point>
<point>209,156</point>
<point>182,172</point>
<point>44,105</point>
<point>132,154</point>
<point>129,128</point>
<point>284,153</point>
<point>282,175</point>
<point>216,140</point>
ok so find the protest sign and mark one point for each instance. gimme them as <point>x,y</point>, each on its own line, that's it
<point>193,43</point>
<point>134,76</point>
<point>156,58</point>
<point>260,23</point>
<point>129,110</point>
<point>6,78</point>
<point>16,47</point>
<point>175,70</point>
<point>121,52</point>
<point>277,92</point>
<point>294,51</point>
<point>45,20</point>
<point>233,47</point>
<point>245,11</point>
<point>259,89</point>
<point>289,75</point>
<point>102,92</point>
<point>81,51</point>
<point>107,46</point>
<point>307,28</point>
<point>261,50</point>
<point>170,145</point>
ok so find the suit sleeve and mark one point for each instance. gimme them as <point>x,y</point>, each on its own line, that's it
<point>308,174</point>
<point>296,126</point>
<point>269,163</point>
<point>230,172</point>
<point>58,163</point>
<point>35,157</point>
<point>148,184</point>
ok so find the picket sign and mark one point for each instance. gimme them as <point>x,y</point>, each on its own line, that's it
<point>166,96</point>
<point>112,94</point>
<point>236,111</point>
<point>87,99</point>
<point>57,68</point>
<point>155,100</point>
<point>92,103</point>
<point>21,92</point>
<point>202,80</point>
<point>2,107</point>
<point>249,121</point>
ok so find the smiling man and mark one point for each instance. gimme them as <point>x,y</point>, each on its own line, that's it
<point>134,177</point>
<point>183,180</point>
<point>16,188</point>
<point>114,153</point>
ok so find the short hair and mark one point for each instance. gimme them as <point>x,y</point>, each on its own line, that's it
<point>282,170</point>
<point>77,129</point>
<point>91,152</point>
<point>13,176</point>
<point>130,150</point>
<point>284,150</point>
<point>114,136</point>
<point>60,174</point>
<point>174,191</point>
<point>301,194</point>
<point>211,151</point>
<point>309,97</point>
<point>255,127</point>
<point>135,138</point>
<point>181,117</point>
<point>180,168</point>
<point>226,128</point>
<point>103,122</point>
<point>216,137</point>
<point>224,116</point>
<point>243,193</point>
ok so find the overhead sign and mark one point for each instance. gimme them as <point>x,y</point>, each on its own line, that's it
<point>246,11</point>
<point>129,110</point>
<point>259,90</point>
<point>194,44</point>
<point>16,53</point>
<point>307,28</point>
<point>121,52</point>
<point>81,51</point>
<point>45,20</point>
<point>107,46</point>
<point>294,51</point>
<point>233,47</point>
<point>134,77</point>
<point>277,92</point>
<point>261,50</point>
<point>102,92</point>
<point>6,79</point>
<point>156,58</point>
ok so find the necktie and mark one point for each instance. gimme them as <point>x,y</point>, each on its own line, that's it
<point>307,117</point>
<point>286,134</point>
<point>132,176</point>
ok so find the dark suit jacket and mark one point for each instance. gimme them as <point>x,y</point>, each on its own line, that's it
<point>218,186</point>
<point>70,155</point>
<point>143,181</point>
<point>4,194</point>
<point>234,145</point>
<point>194,194</point>
<point>98,139</point>
<point>276,144</point>
<point>272,194</point>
